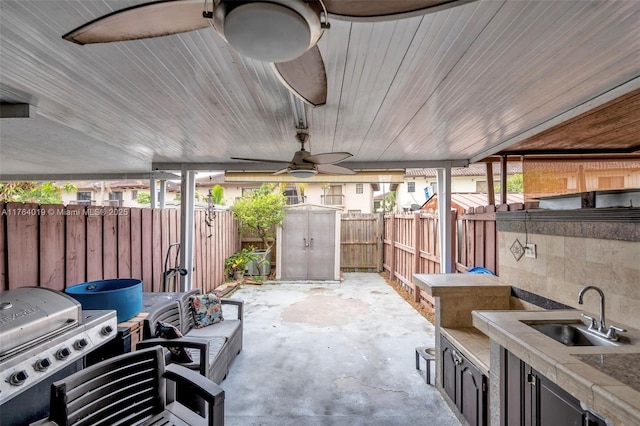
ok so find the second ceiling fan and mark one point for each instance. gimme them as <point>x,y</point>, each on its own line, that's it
<point>282,32</point>
<point>305,165</point>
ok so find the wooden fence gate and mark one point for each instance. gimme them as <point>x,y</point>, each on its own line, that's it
<point>361,242</point>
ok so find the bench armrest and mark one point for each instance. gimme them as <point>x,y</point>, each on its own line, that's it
<point>203,387</point>
<point>237,302</point>
<point>202,345</point>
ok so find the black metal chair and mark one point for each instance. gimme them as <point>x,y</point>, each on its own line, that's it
<point>131,389</point>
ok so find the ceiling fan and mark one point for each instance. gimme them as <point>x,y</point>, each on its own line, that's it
<point>305,165</point>
<point>283,32</point>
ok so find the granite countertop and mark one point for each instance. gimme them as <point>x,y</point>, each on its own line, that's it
<point>622,367</point>
<point>605,379</point>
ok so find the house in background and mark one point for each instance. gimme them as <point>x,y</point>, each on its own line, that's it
<point>115,193</point>
<point>349,197</point>
<point>420,184</point>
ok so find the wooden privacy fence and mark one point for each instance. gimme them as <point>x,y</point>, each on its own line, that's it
<point>361,242</point>
<point>412,244</point>
<point>57,246</point>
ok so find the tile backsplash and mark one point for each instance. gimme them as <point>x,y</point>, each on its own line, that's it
<point>564,265</point>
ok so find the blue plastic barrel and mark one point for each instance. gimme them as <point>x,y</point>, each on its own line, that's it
<point>123,295</point>
<point>480,270</point>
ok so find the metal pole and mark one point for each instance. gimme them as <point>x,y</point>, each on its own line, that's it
<point>163,193</point>
<point>187,228</point>
<point>153,193</point>
<point>444,219</point>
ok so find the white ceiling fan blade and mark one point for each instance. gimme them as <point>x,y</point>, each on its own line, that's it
<point>328,158</point>
<point>260,160</point>
<point>381,10</point>
<point>142,21</point>
<point>305,76</point>
<point>333,169</point>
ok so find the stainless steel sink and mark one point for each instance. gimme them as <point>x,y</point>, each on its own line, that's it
<point>570,333</point>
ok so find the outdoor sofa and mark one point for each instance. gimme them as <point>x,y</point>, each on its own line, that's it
<point>212,348</point>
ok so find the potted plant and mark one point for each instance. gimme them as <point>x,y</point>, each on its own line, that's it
<point>261,211</point>
<point>237,263</point>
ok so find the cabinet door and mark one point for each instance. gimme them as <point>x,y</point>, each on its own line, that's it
<point>472,393</point>
<point>529,398</point>
<point>511,389</point>
<point>449,369</point>
<point>556,407</point>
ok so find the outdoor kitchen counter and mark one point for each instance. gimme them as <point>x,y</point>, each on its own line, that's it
<point>615,399</point>
<point>456,295</point>
<point>438,285</point>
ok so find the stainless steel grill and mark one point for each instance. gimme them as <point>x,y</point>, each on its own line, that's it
<point>44,336</point>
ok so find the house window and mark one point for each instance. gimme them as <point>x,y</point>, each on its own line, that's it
<point>115,195</point>
<point>247,191</point>
<point>134,195</point>
<point>610,182</point>
<point>411,187</point>
<point>83,199</point>
<point>333,195</point>
<point>481,186</point>
<point>291,195</point>
<point>359,188</point>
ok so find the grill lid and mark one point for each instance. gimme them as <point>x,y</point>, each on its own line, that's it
<point>29,315</point>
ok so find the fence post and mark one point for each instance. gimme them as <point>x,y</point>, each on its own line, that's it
<point>392,246</point>
<point>380,239</point>
<point>417,246</point>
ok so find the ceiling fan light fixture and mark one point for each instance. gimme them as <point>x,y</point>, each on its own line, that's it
<point>303,173</point>
<point>267,32</point>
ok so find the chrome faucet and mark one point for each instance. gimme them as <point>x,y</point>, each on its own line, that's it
<point>601,328</point>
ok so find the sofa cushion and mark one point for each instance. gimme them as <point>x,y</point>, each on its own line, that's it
<point>168,331</point>
<point>227,329</point>
<point>206,309</point>
<point>215,347</point>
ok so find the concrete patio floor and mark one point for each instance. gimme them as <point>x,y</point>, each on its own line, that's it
<point>329,353</point>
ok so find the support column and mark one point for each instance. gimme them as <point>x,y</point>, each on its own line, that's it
<point>163,194</point>
<point>444,219</point>
<point>187,228</point>
<point>503,180</point>
<point>153,193</point>
<point>491,198</point>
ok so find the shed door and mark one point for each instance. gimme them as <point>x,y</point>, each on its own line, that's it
<point>308,245</point>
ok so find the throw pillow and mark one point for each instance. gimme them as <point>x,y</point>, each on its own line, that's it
<point>168,331</point>
<point>206,309</point>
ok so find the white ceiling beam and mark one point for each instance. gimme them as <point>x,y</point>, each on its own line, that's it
<point>88,176</point>
<point>365,165</point>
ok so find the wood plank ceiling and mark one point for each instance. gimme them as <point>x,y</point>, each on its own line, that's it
<point>486,77</point>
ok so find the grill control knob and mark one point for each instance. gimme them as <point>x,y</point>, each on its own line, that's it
<point>107,330</point>
<point>42,364</point>
<point>80,344</point>
<point>63,353</point>
<point>18,378</point>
